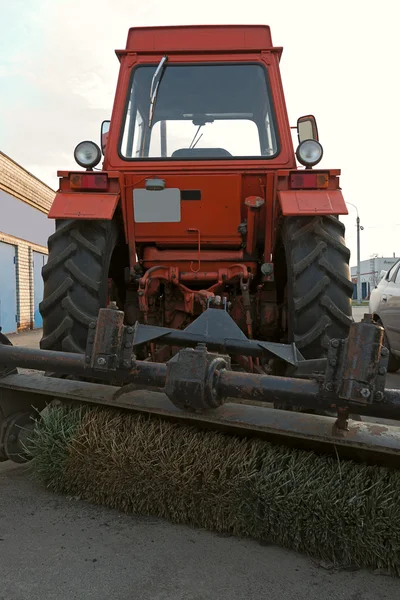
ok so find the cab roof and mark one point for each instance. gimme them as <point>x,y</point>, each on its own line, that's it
<point>198,38</point>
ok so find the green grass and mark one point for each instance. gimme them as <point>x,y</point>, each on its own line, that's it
<point>341,512</point>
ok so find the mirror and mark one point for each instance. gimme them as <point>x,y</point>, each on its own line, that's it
<point>307,128</point>
<point>105,128</point>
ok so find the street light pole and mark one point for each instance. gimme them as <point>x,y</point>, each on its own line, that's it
<point>359,287</point>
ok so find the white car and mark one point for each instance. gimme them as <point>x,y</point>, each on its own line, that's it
<point>384,304</point>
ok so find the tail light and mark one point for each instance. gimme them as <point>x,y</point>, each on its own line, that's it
<point>89,181</point>
<point>308,181</point>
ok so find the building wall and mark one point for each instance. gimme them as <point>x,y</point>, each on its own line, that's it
<point>24,204</point>
<point>370,270</point>
<point>23,221</point>
<point>24,280</point>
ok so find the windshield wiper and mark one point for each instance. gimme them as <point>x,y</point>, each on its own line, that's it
<point>195,136</point>
<point>159,72</point>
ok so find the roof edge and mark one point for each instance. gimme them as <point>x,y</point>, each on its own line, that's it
<point>26,171</point>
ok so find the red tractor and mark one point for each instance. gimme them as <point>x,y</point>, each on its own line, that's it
<point>200,203</point>
<point>200,275</point>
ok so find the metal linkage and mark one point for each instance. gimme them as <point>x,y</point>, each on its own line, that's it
<point>199,380</point>
<point>198,386</point>
<point>192,378</point>
<point>218,331</point>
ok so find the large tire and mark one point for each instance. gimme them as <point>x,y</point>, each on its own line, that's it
<point>75,281</point>
<point>318,286</point>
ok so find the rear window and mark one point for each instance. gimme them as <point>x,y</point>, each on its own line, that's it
<point>200,112</point>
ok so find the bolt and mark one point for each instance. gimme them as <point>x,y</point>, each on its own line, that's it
<point>90,340</point>
<point>92,325</point>
<point>365,393</point>
<point>127,364</point>
<point>128,345</point>
<point>384,351</point>
<point>129,330</point>
<point>332,362</point>
<point>101,361</point>
<point>87,359</point>
<point>112,305</point>
<point>335,343</point>
<point>382,371</point>
<point>329,387</point>
<point>379,396</point>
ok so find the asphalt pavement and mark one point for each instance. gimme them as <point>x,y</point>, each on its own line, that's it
<point>59,548</point>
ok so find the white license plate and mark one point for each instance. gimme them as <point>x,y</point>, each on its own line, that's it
<point>160,206</point>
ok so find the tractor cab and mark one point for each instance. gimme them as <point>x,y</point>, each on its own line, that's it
<point>208,93</point>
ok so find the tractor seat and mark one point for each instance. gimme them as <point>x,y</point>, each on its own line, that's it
<point>200,153</point>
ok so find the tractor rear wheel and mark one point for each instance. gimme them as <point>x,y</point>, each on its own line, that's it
<point>75,281</point>
<point>316,292</point>
<point>318,286</point>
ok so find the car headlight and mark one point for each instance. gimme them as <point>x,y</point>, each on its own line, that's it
<point>87,154</point>
<point>309,153</point>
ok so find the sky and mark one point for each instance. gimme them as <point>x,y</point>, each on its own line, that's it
<point>58,73</point>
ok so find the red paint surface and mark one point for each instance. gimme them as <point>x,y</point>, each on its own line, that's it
<point>312,202</point>
<point>74,205</point>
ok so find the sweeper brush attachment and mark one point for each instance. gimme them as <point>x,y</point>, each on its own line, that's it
<point>339,512</point>
<point>197,442</point>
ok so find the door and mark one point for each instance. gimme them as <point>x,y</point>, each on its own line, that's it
<point>39,260</point>
<point>363,290</point>
<point>390,310</point>
<point>8,289</point>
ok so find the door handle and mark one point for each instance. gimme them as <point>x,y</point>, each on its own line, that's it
<point>384,298</point>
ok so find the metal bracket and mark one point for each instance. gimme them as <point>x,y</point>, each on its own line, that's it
<point>110,342</point>
<point>356,367</point>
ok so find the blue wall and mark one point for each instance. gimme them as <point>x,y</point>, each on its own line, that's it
<point>39,260</point>
<point>24,221</point>
<point>8,289</point>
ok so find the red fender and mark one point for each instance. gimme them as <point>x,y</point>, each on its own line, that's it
<point>75,205</point>
<point>312,202</point>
